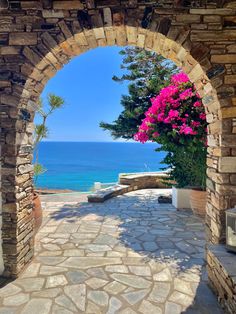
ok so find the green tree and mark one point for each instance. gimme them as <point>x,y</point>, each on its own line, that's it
<point>41,131</point>
<point>147,73</point>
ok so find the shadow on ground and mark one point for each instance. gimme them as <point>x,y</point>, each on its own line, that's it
<point>157,233</point>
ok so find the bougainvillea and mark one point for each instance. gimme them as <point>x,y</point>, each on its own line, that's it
<point>176,113</point>
<point>176,120</point>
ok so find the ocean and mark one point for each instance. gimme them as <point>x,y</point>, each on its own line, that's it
<point>77,165</point>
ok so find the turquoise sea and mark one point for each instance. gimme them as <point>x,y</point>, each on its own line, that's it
<point>77,165</point>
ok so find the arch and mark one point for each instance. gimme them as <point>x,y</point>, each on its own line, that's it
<point>42,53</point>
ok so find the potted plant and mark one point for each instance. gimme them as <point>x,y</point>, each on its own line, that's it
<point>179,176</point>
<point>176,120</point>
<point>198,195</point>
<point>41,131</point>
<point>188,170</point>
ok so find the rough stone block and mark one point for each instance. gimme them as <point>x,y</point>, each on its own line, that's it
<point>225,58</point>
<point>228,140</point>
<point>20,38</point>
<point>65,30</point>
<point>34,58</point>
<point>25,168</point>
<point>9,208</point>
<point>230,79</point>
<point>9,50</point>
<point>68,5</point>
<point>214,35</point>
<point>9,100</point>
<point>107,17</point>
<point>99,33</point>
<point>110,36</point>
<point>118,19</point>
<point>231,48</point>
<point>212,19</point>
<point>229,112</point>
<point>227,164</point>
<point>132,35</point>
<point>218,11</point>
<point>53,14</point>
<point>32,5</point>
<point>188,18</point>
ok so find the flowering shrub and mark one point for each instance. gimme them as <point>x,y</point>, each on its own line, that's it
<point>177,113</point>
<point>177,121</point>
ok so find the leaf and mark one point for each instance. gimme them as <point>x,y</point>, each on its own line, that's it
<point>55,101</point>
<point>39,169</point>
<point>41,131</point>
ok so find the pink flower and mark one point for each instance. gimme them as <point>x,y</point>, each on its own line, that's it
<point>166,120</point>
<point>141,137</point>
<point>197,104</point>
<point>149,119</point>
<point>202,116</point>
<point>160,117</point>
<point>179,78</point>
<point>187,130</point>
<point>174,106</point>
<point>175,103</point>
<point>173,114</point>
<point>195,123</point>
<point>155,134</point>
<point>186,94</point>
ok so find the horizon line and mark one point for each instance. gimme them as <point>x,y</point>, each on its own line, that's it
<point>63,141</point>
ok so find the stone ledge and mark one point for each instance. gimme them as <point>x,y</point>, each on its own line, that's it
<point>221,266</point>
<point>104,194</point>
<point>144,179</point>
<point>129,182</point>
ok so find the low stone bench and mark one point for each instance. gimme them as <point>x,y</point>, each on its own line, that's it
<point>221,267</point>
<point>104,194</point>
<point>130,182</point>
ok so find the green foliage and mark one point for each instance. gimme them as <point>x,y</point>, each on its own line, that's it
<point>176,120</point>
<point>41,131</point>
<point>54,102</point>
<point>188,167</point>
<point>147,73</point>
<point>38,170</point>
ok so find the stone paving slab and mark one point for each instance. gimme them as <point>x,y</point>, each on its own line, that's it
<point>127,255</point>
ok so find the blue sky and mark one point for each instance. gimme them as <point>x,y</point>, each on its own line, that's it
<point>91,96</point>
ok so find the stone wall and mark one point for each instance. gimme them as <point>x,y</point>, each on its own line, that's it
<point>1,252</point>
<point>146,180</point>
<point>38,37</point>
<point>221,267</point>
<point>129,182</point>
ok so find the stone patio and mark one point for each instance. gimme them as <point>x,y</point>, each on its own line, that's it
<point>128,255</point>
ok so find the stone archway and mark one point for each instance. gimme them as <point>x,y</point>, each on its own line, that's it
<point>39,37</point>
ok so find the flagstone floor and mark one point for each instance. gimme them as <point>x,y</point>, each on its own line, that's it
<point>127,255</point>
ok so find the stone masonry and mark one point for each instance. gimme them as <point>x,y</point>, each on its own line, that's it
<point>38,37</point>
<point>221,268</point>
<point>130,182</point>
